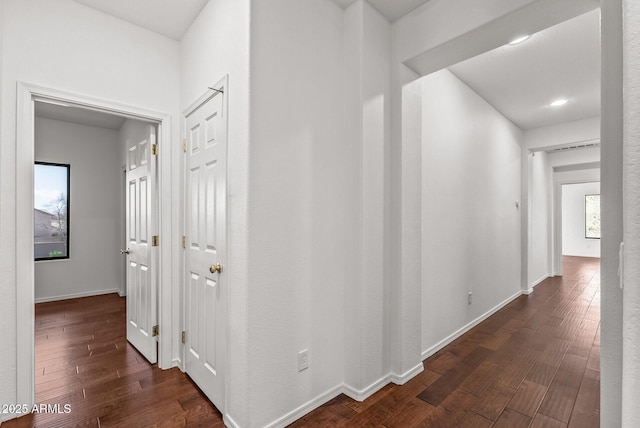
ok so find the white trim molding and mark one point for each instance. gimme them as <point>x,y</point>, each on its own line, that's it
<point>363,394</point>
<point>453,336</point>
<point>27,94</point>
<point>77,295</point>
<point>358,395</point>
<point>539,281</point>
<point>229,422</point>
<point>307,407</point>
<point>406,377</point>
<point>398,379</point>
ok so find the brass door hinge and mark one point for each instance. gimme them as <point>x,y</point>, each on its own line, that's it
<point>154,149</point>
<point>155,331</point>
<point>184,242</point>
<point>155,241</point>
<point>184,145</point>
<point>184,337</point>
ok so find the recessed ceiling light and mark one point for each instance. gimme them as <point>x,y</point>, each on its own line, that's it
<point>559,102</point>
<point>519,39</point>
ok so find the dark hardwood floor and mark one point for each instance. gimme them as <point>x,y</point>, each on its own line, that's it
<point>535,363</point>
<point>83,359</point>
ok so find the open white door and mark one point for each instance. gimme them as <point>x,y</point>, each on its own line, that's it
<point>205,224</point>
<point>141,210</point>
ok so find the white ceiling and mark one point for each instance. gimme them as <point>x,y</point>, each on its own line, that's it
<point>391,9</point>
<point>521,80</point>
<point>171,18</point>
<point>78,115</point>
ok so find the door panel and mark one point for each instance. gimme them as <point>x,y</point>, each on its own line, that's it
<point>141,257</point>
<point>205,226</point>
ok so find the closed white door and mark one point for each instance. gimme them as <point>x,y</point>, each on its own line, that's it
<point>141,208</point>
<point>205,219</point>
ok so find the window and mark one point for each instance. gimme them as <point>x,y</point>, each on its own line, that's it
<point>592,216</point>
<point>51,211</point>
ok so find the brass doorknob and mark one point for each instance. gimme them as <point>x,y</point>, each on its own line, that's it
<point>216,268</point>
<point>124,251</point>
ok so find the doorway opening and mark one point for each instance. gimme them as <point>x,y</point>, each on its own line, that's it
<point>581,219</point>
<point>79,154</point>
<point>498,206</point>
<point>34,103</point>
<point>490,119</point>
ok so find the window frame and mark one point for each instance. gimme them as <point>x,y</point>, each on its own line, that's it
<point>68,228</point>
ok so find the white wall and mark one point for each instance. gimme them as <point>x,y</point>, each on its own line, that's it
<point>67,46</point>
<point>574,242</point>
<point>568,159</point>
<point>367,84</point>
<point>301,236</point>
<point>540,222</point>
<point>612,202</point>
<point>7,293</point>
<point>95,212</point>
<point>631,182</point>
<point>217,44</point>
<point>577,131</point>
<point>471,225</point>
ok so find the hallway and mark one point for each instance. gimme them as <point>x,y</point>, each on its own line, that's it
<point>535,363</point>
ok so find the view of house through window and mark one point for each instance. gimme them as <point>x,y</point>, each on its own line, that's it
<point>51,211</point>
<point>592,216</point>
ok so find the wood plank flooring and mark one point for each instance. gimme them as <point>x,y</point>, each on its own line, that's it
<point>83,359</point>
<point>535,363</point>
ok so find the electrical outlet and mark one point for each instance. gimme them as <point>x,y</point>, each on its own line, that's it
<point>303,360</point>
<point>470,297</point>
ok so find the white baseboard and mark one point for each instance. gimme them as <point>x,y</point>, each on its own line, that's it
<point>176,362</point>
<point>537,282</point>
<point>229,422</point>
<point>307,407</point>
<point>349,391</point>
<point>407,376</point>
<point>363,394</point>
<point>122,293</point>
<point>76,295</point>
<point>447,340</point>
<point>4,417</point>
<point>542,278</point>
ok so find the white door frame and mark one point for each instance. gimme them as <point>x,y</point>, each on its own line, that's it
<point>221,85</point>
<point>25,157</point>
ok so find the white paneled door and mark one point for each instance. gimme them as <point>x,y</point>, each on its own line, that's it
<point>205,225</point>
<point>141,217</point>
